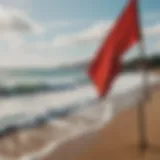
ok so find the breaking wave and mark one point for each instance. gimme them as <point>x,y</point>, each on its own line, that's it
<point>17,89</point>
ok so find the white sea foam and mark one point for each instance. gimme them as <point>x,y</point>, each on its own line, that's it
<point>26,107</point>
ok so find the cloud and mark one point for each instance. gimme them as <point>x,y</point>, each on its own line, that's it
<point>12,40</point>
<point>24,60</point>
<point>11,2</point>
<point>61,49</point>
<point>95,33</point>
<point>13,20</point>
<point>89,35</point>
<point>56,24</point>
<point>153,30</point>
<point>157,46</point>
<point>66,23</point>
<point>152,16</point>
<point>14,24</point>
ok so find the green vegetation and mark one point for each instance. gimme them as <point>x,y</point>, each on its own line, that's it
<point>151,63</point>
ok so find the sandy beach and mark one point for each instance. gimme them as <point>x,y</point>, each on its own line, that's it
<point>118,139</point>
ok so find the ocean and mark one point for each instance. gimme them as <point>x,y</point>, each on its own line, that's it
<point>26,94</point>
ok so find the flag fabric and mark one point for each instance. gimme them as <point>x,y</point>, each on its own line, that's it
<point>107,63</point>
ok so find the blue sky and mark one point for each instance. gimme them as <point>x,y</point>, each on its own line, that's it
<point>53,32</point>
<point>80,9</point>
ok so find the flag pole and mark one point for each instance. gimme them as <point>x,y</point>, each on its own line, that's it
<point>145,90</point>
<point>141,105</point>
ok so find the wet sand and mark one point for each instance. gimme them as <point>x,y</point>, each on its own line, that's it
<point>119,140</point>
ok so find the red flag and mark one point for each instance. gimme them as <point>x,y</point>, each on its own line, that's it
<point>107,63</point>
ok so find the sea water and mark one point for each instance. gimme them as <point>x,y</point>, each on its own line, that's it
<point>26,94</point>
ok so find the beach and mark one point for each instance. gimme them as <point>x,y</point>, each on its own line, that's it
<point>120,139</point>
<point>96,130</point>
<point>79,80</point>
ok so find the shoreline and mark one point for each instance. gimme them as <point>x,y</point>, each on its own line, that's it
<point>119,140</point>
<point>70,110</point>
<point>42,136</point>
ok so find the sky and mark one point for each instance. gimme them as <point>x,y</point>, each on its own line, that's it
<point>46,33</point>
